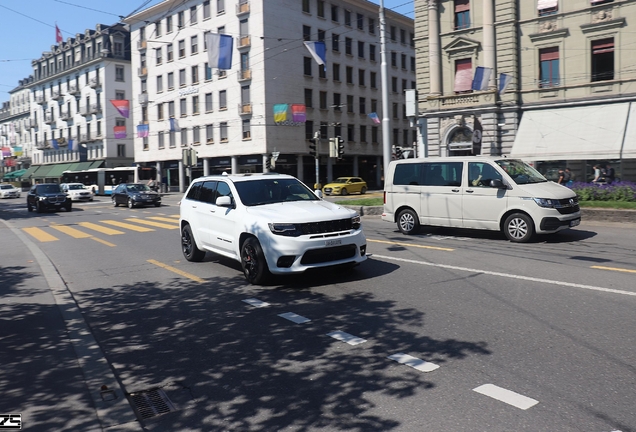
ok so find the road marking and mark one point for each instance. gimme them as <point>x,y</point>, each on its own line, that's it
<point>294,318</point>
<point>511,276</point>
<point>176,270</point>
<point>103,241</point>
<point>154,224</point>
<point>99,228</point>
<point>346,337</point>
<point>164,219</point>
<point>506,396</point>
<point>127,226</point>
<point>618,269</point>
<point>256,302</point>
<point>413,362</point>
<point>411,245</point>
<point>40,234</point>
<point>75,233</point>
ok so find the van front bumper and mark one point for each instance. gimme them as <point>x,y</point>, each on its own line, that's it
<point>552,224</point>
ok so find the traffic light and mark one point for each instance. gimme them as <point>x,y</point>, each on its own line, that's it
<point>340,147</point>
<point>268,163</point>
<point>313,150</point>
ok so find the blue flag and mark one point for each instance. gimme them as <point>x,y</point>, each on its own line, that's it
<point>219,50</point>
<point>70,144</point>
<point>318,51</point>
<point>54,144</point>
<point>482,76</point>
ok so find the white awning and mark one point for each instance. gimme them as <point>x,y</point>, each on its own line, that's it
<point>629,145</point>
<point>578,133</point>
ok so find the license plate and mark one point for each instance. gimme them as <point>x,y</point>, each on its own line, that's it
<point>333,242</point>
<point>575,222</point>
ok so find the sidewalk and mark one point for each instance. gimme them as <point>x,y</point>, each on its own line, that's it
<point>52,368</point>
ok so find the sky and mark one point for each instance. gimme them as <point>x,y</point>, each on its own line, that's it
<point>27,28</point>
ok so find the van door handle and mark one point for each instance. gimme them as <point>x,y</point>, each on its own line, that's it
<point>455,190</point>
<point>469,191</point>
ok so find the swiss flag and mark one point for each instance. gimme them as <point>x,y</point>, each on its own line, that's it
<point>58,35</point>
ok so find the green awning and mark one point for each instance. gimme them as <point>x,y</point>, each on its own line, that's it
<point>96,164</point>
<point>79,166</point>
<point>15,174</point>
<point>58,169</point>
<point>30,171</point>
<point>42,171</point>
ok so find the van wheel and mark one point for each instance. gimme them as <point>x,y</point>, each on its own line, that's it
<point>253,262</point>
<point>519,228</point>
<point>189,247</point>
<point>408,222</point>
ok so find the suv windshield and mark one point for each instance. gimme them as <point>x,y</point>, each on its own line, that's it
<point>521,172</point>
<point>259,192</point>
<point>48,189</point>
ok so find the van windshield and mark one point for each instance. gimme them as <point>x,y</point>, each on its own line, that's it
<point>521,172</point>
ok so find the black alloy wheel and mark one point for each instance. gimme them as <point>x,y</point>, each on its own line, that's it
<point>253,262</point>
<point>189,247</point>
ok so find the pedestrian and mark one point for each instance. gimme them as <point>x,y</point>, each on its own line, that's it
<point>597,174</point>
<point>610,174</point>
<point>568,177</point>
<point>561,179</point>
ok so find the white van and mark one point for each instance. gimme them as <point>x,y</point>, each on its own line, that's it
<point>481,192</point>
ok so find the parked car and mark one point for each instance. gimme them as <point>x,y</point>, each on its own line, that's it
<point>47,196</point>
<point>270,223</point>
<point>7,190</point>
<point>135,195</point>
<point>345,186</point>
<point>77,191</point>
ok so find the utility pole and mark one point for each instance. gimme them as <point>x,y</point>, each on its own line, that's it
<point>386,123</point>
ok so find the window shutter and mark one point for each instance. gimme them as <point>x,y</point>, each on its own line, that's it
<point>603,46</point>
<point>463,75</point>
<point>549,54</point>
<point>462,5</point>
<point>547,4</point>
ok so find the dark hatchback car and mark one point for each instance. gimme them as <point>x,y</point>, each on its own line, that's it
<point>48,196</point>
<point>135,195</point>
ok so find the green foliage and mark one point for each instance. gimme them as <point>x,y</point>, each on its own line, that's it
<point>619,191</point>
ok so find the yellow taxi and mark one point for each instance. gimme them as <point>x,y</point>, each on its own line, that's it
<point>345,186</point>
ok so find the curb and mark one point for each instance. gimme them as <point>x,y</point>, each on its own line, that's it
<point>587,214</point>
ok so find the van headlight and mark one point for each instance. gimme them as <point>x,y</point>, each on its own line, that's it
<point>547,203</point>
<point>355,222</point>
<point>284,229</point>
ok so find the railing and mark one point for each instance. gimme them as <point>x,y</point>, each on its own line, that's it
<point>33,123</point>
<point>244,41</point>
<point>245,108</point>
<point>142,71</point>
<point>84,111</point>
<point>242,7</point>
<point>73,90</point>
<point>95,108</point>
<point>65,115</point>
<point>142,44</point>
<point>39,99</point>
<point>94,83</point>
<point>245,74</point>
<point>56,95</point>
<point>48,119</point>
<point>143,98</point>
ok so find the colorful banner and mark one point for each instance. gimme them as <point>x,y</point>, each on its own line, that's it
<point>120,132</point>
<point>6,151</point>
<point>299,113</point>
<point>142,130</point>
<point>17,151</point>
<point>122,105</point>
<point>280,112</point>
<point>374,116</point>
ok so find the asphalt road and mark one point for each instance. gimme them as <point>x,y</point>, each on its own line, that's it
<point>447,330</point>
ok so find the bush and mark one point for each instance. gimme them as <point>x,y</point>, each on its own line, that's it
<point>617,191</point>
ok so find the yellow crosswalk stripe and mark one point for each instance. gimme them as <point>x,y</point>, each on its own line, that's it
<point>75,233</point>
<point>165,219</point>
<point>101,229</point>
<point>40,234</point>
<point>127,226</point>
<point>154,224</point>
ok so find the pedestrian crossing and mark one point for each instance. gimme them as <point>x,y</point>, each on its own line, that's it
<point>109,227</point>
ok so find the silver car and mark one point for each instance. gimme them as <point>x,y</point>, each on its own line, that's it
<point>9,191</point>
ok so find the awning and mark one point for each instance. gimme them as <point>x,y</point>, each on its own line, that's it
<point>629,145</point>
<point>96,164</point>
<point>577,133</point>
<point>79,166</point>
<point>30,171</point>
<point>15,174</point>
<point>42,171</point>
<point>58,169</point>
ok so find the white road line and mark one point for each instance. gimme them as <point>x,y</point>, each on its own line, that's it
<point>346,337</point>
<point>256,302</point>
<point>294,318</point>
<point>511,276</point>
<point>414,362</point>
<point>506,396</point>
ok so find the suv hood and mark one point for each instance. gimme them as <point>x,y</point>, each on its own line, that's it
<point>548,190</point>
<point>300,211</point>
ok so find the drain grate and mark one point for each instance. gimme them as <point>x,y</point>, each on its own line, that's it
<point>151,403</point>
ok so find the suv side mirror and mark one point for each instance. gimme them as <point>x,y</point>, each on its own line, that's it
<point>496,183</point>
<point>224,201</point>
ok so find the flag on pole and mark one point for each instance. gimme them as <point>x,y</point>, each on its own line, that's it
<point>58,35</point>
<point>318,51</point>
<point>55,144</point>
<point>374,116</point>
<point>70,144</point>
<point>482,76</point>
<point>123,106</point>
<point>219,50</point>
<point>142,131</point>
<point>173,124</point>
<point>299,113</point>
<point>504,81</point>
<point>280,112</point>
<point>120,132</point>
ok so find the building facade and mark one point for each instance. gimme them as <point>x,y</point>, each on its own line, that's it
<point>570,98</point>
<point>72,120</point>
<point>15,133</point>
<point>227,116</point>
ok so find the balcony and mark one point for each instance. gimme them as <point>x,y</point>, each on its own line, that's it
<point>94,108</point>
<point>242,7</point>
<point>39,99</point>
<point>462,100</point>
<point>94,82</point>
<point>73,90</point>
<point>41,145</point>
<point>142,44</point>
<point>244,41</point>
<point>33,124</point>
<point>56,95</point>
<point>143,98</point>
<point>65,115</point>
<point>85,111</point>
<point>245,109</point>
<point>142,71</point>
<point>48,118</point>
<point>245,74</point>
<point>84,138</point>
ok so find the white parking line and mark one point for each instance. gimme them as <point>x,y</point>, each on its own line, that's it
<point>511,276</point>
<point>256,302</point>
<point>346,337</point>
<point>506,396</point>
<point>414,362</point>
<point>294,318</point>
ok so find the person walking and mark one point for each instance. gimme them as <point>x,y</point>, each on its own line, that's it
<point>610,174</point>
<point>561,179</point>
<point>568,177</point>
<point>597,174</point>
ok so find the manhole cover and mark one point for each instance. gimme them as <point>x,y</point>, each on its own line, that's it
<point>151,403</point>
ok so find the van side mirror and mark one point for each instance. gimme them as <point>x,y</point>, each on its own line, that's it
<point>224,201</point>
<point>496,183</point>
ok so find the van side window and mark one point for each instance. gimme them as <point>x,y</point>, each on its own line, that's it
<point>408,174</point>
<point>480,174</point>
<point>443,174</point>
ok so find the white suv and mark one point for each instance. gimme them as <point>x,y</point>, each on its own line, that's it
<point>270,223</point>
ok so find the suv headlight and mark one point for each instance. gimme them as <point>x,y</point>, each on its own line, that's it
<point>355,222</point>
<point>547,203</point>
<point>284,229</point>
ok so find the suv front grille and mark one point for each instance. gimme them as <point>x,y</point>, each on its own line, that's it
<point>56,199</point>
<point>325,226</point>
<point>336,253</point>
